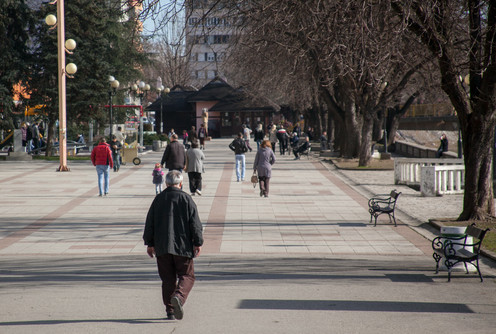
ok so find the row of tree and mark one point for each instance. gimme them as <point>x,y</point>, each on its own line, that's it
<point>107,45</point>
<point>350,61</point>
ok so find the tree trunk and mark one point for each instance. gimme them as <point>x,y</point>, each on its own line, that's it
<point>366,142</point>
<point>478,200</point>
<point>352,135</point>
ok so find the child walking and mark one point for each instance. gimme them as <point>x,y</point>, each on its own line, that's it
<point>158,178</point>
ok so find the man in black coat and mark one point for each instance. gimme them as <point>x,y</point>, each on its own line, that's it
<point>173,233</point>
<point>174,157</point>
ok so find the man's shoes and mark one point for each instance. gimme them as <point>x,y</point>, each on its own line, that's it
<point>192,194</point>
<point>170,316</point>
<point>100,195</point>
<point>198,192</point>
<point>106,194</point>
<point>178,307</point>
<point>261,193</point>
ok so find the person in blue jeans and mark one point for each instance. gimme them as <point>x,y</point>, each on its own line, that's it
<point>238,145</point>
<point>101,157</point>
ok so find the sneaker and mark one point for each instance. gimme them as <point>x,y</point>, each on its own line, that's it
<point>198,192</point>
<point>100,195</point>
<point>178,307</point>
<point>170,316</point>
<point>192,194</point>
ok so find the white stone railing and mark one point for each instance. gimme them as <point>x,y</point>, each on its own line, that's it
<point>442,180</point>
<point>408,170</point>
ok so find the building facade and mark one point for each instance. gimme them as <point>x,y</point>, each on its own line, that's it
<point>208,33</point>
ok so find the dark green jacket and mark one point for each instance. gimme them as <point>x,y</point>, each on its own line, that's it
<point>172,224</point>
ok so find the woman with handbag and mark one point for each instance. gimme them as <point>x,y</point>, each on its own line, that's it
<point>264,160</point>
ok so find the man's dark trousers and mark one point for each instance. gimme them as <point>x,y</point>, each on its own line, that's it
<point>178,277</point>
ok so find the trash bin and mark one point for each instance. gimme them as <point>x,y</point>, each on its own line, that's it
<point>456,232</point>
<point>156,145</point>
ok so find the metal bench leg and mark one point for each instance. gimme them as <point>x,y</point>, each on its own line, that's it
<point>478,270</point>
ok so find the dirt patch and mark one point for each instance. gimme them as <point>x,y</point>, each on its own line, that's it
<point>375,164</point>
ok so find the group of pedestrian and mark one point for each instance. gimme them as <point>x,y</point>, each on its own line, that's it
<point>176,157</point>
<point>32,136</point>
<point>188,137</point>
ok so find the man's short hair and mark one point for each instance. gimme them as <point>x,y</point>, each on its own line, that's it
<point>194,144</point>
<point>174,177</point>
<point>174,136</point>
<point>240,135</point>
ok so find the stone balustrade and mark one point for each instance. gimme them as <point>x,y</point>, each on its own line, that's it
<point>442,180</point>
<point>408,170</point>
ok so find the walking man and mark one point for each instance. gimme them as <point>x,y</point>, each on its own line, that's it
<point>174,157</point>
<point>101,157</point>
<point>239,147</point>
<point>173,233</point>
<point>115,147</point>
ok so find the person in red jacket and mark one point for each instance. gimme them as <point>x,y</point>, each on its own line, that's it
<point>101,157</point>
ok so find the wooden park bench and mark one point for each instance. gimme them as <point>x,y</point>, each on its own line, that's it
<point>459,249</point>
<point>380,204</point>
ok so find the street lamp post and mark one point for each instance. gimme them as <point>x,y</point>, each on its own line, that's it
<point>161,89</point>
<point>63,70</point>
<point>114,84</point>
<point>141,89</point>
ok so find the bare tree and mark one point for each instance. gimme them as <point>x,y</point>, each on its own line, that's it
<point>462,36</point>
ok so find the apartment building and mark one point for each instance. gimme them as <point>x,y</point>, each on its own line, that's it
<point>208,33</point>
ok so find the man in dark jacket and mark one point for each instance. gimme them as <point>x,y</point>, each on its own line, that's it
<point>174,157</point>
<point>238,145</point>
<point>173,233</point>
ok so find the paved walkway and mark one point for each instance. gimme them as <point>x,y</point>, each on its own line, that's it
<point>305,259</point>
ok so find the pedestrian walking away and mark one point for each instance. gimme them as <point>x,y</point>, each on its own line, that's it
<point>101,157</point>
<point>202,135</point>
<point>259,135</point>
<point>264,159</point>
<point>195,167</point>
<point>174,157</point>
<point>116,146</point>
<point>158,178</point>
<point>283,138</point>
<point>174,235</point>
<point>239,147</point>
<point>246,136</point>
<point>273,137</point>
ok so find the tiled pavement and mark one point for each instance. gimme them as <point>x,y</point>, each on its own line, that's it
<point>309,210</point>
<point>304,260</point>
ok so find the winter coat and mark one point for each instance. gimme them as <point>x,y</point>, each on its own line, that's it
<point>195,159</point>
<point>259,135</point>
<point>264,160</point>
<point>102,155</point>
<point>238,145</point>
<point>172,224</point>
<point>158,176</point>
<point>174,156</point>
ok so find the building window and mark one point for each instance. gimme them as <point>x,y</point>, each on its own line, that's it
<point>211,74</point>
<point>201,75</point>
<point>210,56</point>
<point>201,56</point>
<point>193,21</point>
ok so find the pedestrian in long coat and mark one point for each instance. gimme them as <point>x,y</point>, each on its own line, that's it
<point>264,160</point>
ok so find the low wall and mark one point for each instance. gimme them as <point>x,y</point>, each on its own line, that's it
<point>413,150</point>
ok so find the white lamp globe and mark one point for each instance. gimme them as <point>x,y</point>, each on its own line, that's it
<point>71,68</point>
<point>51,20</point>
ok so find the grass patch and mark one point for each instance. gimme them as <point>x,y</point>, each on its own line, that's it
<point>489,242</point>
<point>57,158</point>
<point>375,164</point>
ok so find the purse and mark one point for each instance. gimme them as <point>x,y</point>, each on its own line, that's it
<point>254,179</point>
